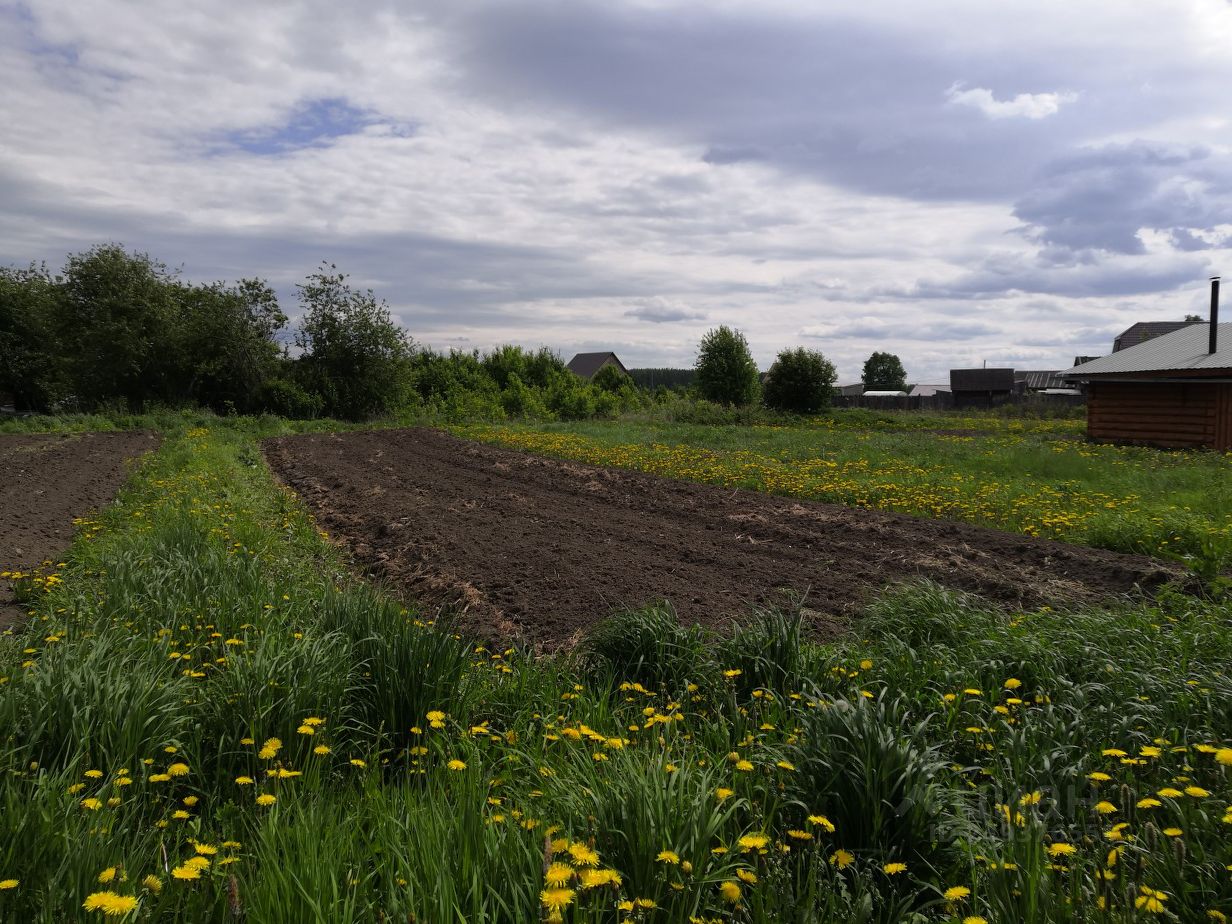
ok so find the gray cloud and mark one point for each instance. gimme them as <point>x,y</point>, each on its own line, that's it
<point>1102,198</point>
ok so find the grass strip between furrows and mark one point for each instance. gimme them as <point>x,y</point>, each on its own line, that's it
<point>1127,499</point>
<point>207,717</point>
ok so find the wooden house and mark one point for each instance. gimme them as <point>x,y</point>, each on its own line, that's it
<point>1174,390</point>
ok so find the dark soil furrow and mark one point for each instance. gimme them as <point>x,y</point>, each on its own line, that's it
<point>543,548</point>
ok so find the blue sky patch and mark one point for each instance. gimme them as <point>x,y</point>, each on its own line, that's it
<point>311,123</point>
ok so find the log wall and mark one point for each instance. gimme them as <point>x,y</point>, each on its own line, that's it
<point>1170,414</point>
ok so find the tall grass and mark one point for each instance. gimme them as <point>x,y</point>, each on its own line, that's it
<point>209,681</point>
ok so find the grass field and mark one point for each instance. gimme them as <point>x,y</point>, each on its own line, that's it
<point>210,718</point>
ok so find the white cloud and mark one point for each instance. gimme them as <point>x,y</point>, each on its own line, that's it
<point>626,175</point>
<point>1022,106</point>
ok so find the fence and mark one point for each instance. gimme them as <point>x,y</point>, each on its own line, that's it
<point>944,401</point>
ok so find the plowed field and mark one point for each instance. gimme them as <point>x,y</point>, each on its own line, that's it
<point>45,481</point>
<point>538,549</point>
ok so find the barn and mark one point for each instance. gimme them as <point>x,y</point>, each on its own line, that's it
<point>1174,390</point>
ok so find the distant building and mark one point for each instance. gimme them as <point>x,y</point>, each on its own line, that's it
<point>981,387</point>
<point>928,391</point>
<point>1172,390</point>
<point>875,393</point>
<point>1144,331</point>
<point>587,365</point>
<point>850,391</point>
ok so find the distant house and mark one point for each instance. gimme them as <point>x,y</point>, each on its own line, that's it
<point>928,391</point>
<point>587,365</point>
<point>981,387</point>
<point>850,391</point>
<point>1173,390</point>
<point>1144,331</point>
<point>1031,382</point>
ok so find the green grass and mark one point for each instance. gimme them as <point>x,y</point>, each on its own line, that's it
<point>204,615</point>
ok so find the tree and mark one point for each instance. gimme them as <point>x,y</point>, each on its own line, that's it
<point>884,372</point>
<point>226,349</point>
<point>354,356</point>
<point>31,365</point>
<point>801,381</point>
<point>117,326</point>
<point>726,373</point>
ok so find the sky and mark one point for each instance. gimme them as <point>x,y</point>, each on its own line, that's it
<point>958,183</point>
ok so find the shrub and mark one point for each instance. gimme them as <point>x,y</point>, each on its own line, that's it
<point>801,381</point>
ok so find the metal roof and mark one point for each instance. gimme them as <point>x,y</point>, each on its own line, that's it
<point>1146,330</point>
<point>1039,380</point>
<point>1178,351</point>
<point>587,364</point>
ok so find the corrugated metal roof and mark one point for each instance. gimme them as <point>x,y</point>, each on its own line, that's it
<point>1178,351</point>
<point>1146,330</point>
<point>1039,380</point>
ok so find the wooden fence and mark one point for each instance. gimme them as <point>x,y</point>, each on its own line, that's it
<point>945,401</point>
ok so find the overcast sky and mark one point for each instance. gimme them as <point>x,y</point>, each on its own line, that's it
<point>956,182</point>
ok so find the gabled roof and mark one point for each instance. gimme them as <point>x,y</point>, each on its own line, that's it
<point>1146,330</point>
<point>1037,381</point>
<point>1182,350</point>
<point>981,379</point>
<point>587,364</point>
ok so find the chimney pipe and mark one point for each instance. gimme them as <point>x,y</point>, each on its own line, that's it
<point>1214,315</point>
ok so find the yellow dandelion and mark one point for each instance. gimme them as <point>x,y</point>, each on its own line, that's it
<point>266,799</point>
<point>109,903</point>
<point>730,891</point>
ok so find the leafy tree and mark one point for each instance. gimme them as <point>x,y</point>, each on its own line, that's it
<point>354,356</point>
<point>225,344</point>
<point>884,372</point>
<point>117,326</point>
<point>726,373</point>
<point>31,367</point>
<point>801,381</point>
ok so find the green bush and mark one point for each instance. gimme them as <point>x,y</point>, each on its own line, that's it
<point>649,646</point>
<point>801,381</point>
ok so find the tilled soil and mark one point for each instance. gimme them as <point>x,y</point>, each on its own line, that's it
<point>537,549</point>
<point>45,481</point>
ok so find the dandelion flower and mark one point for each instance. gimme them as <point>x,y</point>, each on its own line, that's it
<point>1197,792</point>
<point>583,855</point>
<point>1061,850</point>
<point>730,891</point>
<point>186,872</point>
<point>956,893</point>
<point>109,903</point>
<point>747,875</point>
<point>842,858</point>
<point>1105,808</point>
<point>321,749</point>
<point>456,764</point>
<point>668,856</point>
<point>1151,900</point>
<point>595,878</point>
<point>723,793</point>
<point>266,799</point>
<point>6,884</point>
<point>556,900</point>
<point>558,874</point>
<point>974,919</point>
<point>92,804</point>
<point>822,821</point>
<point>893,869</point>
<point>243,781</point>
<point>754,841</point>
<point>356,762</point>
<point>153,883</point>
<point>1224,756</point>
<point>178,770</point>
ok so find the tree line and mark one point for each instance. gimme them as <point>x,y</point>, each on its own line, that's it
<point>119,330</point>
